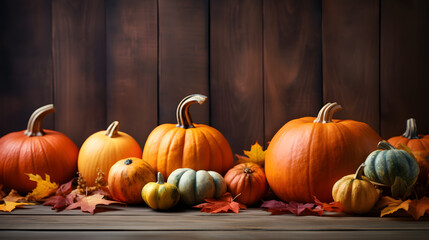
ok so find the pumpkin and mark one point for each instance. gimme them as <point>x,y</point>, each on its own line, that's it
<point>127,177</point>
<point>187,145</point>
<point>37,151</point>
<point>355,194</point>
<point>308,155</point>
<point>103,149</point>
<point>418,144</point>
<point>392,167</point>
<point>195,186</point>
<point>160,195</point>
<point>248,180</point>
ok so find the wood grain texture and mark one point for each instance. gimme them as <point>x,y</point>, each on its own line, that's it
<point>132,61</point>
<point>292,61</point>
<point>350,40</point>
<point>79,67</point>
<point>25,62</point>
<point>404,65</point>
<point>236,71</point>
<point>183,57</point>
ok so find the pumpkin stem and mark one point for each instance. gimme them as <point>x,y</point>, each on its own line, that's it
<point>384,145</point>
<point>359,172</point>
<point>411,130</point>
<point>34,126</point>
<point>112,130</point>
<point>248,170</point>
<point>128,161</point>
<point>159,178</point>
<point>182,113</point>
<point>327,112</point>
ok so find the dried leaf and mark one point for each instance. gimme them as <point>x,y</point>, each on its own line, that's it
<point>392,205</point>
<point>58,202</point>
<point>279,207</point>
<point>66,188</point>
<point>43,189</point>
<point>418,208</point>
<point>9,206</point>
<point>329,207</point>
<point>255,155</point>
<point>89,203</point>
<point>222,205</point>
<point>14,197</point>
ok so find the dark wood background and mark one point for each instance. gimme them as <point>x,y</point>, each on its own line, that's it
<point>261,62</point>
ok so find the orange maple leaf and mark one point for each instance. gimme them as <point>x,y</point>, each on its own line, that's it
<point>14,196</point>
<point>255,155</point>
<point>222,205</point>
<point>10,206</point>
<point>89,203</point>
<point>418,208</point>
<point>43,189</point>
<point>391,205</point>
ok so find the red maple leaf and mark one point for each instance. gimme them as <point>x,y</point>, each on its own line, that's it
<point>89,203</point>
<point>279,207</point>
<point>329,207</point>
<point>222,205</point>
<point>58,202</point>
<point>66,188</point>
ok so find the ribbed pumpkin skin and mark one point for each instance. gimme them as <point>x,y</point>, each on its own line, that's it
<point>383,166</point>
<point>416,145</point>
<point>248,180</point>
<point>160,195</point>
<point>53,153</point>
<point>169,147</point>
<point>355,195</point>
<point>195,186</point>
<point>101,152</point>
<point>306,158</point>
<point>127,177</point>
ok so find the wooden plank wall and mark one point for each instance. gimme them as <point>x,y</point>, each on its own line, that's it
<point>260,62</point>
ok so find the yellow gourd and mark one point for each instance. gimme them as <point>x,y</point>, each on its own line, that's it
<point>160,195</point>
<point>355,194</point>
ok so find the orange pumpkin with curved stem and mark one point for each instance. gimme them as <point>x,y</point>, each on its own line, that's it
<point>37,151</point>
<point>308,155</point>
<point>103,149</point>
<point>187,145</point>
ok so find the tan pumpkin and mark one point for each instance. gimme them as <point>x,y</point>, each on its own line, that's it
<point>248,180</point>
<point>127,177</point>
<point>187,145</point>
<point>37,151</point>
<point>356,195</point>
<point>103,149</point>
<point>308,155</point>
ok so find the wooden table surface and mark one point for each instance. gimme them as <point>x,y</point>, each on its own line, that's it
<point>117,222</point>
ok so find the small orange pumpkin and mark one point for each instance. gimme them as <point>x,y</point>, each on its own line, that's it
<point>36,151</point>
<point>187,145</point>
<point>308,155</point>
<point>103,149</point>
<point>248,180</point>
<point>127,177</point>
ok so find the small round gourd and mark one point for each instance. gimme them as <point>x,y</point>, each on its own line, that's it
<point>355,194</point>
<point>127,177</point>
<point>195,186</point>
<point>248,180</point>
<point>160,195</point>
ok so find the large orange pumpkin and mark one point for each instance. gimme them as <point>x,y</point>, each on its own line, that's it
<point>418,144</point>
<point>308,155</point>
<point>187,145</point>
<point>248,180</point>
<point>36,151</point>
<point>103,149</point>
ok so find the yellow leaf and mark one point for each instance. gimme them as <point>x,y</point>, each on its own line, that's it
<point>14,196</point>
<point>256,155</point>
<point>9,206</point>
<point>43,189</point>
<point>392,205</point>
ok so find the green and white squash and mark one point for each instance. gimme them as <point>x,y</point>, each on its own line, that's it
<point>195,186</point>
<point>392,167</point>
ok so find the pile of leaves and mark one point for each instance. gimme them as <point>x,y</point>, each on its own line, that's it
<point>317,208</point>
<point>71,195</point>
<point>415,208</point>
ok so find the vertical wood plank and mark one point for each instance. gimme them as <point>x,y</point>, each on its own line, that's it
<point>183,57</point>
<point>292,61</point>
<point>350,39</point>
<point>25,62</point>
<point>236,71</point>
<point>132,61</point>
<point>404,65</point>
<point>79,67</point>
